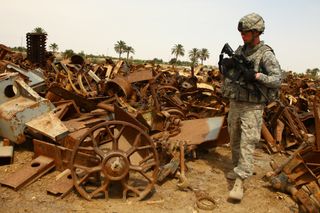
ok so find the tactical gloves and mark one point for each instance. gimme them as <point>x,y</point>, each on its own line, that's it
<point>228,63</point>
<point>249,75</point>
<point>230,68</point>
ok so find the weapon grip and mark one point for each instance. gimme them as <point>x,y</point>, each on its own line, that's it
<point>227,50</point>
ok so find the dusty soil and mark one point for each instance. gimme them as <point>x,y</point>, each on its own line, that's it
<point>206,173</point>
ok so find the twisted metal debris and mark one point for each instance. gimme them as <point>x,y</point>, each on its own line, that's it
<point>129,125</point>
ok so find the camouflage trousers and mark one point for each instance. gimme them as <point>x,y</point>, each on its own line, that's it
<point>244,126</point>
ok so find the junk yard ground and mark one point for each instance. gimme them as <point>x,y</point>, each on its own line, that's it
<point>206,173</point>
<point>114,136</point>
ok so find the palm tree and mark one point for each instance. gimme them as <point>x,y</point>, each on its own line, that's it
<point>177,50</point>
<point>54,47</point>
<point>119,47</point>
<point>204,55</point>
<point>194,55</point>
<point>39,30</point>
<point>68,53</point>
<point>128,50</point>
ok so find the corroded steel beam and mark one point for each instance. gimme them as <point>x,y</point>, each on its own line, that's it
<point>29,173</point>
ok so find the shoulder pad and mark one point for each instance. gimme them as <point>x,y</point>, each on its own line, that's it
<point>266,48</point>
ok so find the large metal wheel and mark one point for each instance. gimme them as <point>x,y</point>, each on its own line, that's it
<point>114,152</point>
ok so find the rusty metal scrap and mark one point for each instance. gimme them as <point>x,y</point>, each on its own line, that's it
<point>59,154</point>
<point>36,47</point>
<point>316,112</point>
<point>128,83</point>
<point>19,105</point>
<point>4,53</point>
<point>116,123</point>
<point>139,163</point>
<point>6,152</point>
<point>49,125</point>
<point>291,118</point>
<point>66,109</point>
<point>29,173</point>
<point>208,130</point>
<point>115,157</point>
<point>293,132</point>
<point>34,78</point>
<point>299,177</point>
<point>62,185</point>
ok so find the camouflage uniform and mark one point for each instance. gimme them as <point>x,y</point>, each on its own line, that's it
<point>247,105</point>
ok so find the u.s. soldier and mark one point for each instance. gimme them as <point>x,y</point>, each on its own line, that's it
<point>248,97</point>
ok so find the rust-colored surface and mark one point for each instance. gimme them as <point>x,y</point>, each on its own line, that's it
<point>52,151</point>
<point>62,185</point>
<point>143,75</point>
<point>114,158</point>
<point>119,86</point>
<point>4,50</point>
<point>50,126</point>
<point>269,138</point>
<point>299,176</point>
<point>31,172</point>
<point>207,130</point>
<point>316,110</point>
<point>165,104</point>
<point>6,152</point>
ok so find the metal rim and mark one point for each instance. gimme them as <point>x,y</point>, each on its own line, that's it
<point>105,154</point>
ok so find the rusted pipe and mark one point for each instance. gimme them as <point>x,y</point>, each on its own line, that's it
<point>268,137</point>
<point>108,107</point>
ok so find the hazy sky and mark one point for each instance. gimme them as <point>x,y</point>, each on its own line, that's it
<point>153,27</point>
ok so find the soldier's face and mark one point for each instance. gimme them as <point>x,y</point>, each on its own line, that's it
<point>247,36</point>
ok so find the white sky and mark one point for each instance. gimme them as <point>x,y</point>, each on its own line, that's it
<point>153,27</point>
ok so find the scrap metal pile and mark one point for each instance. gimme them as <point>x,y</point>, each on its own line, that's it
<point>128,125</point>
<point>299,175</point>
<point>103,125</point>
<point>293,124</point>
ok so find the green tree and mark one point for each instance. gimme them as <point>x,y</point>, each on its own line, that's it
<point>19,49</point>
<point>68,53</point>
<point>177,50</point>
<point>313,73</point>
<point>156,61</point>
<point>173,61</point>
<point>54,47</point>
<point>194,56</point>
<point>204,55</point>
<point>39,30</point>
<point>119,47</point>
<point>82,54</point>
<point>128,50</point>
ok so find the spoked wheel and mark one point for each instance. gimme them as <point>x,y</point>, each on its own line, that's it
<point>114,152</point>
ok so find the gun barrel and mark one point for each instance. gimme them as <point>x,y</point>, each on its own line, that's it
<point>227,50</point>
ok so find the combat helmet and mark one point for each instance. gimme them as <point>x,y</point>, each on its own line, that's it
<point>252,21</point>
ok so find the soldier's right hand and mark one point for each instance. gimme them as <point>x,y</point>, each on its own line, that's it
<point>250,76</point>
<point>228,63</point>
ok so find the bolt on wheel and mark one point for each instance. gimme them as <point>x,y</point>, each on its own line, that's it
<point>114,152</point>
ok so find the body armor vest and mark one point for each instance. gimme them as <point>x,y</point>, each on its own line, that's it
<point>251,92</point>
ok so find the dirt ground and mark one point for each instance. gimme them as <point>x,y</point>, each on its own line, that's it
<point>205,173</point>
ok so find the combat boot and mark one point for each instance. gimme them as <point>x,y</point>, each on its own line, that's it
<point>231,175</point>
<point>237,191</point>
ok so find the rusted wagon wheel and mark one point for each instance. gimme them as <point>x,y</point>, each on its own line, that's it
<point>114,153</point>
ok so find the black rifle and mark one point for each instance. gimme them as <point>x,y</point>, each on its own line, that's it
<point>241,67</point>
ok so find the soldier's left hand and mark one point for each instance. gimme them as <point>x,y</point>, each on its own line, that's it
<point>250,75</point>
